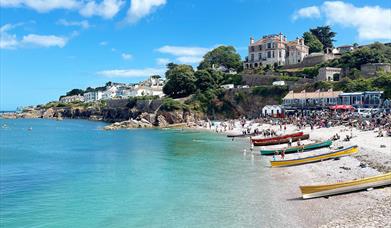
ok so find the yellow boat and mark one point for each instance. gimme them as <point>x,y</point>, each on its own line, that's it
<point>344,187</point>
<point>299,161</point>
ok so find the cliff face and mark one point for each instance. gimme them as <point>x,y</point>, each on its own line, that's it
<point>234,103</point>
<point>129,113</point>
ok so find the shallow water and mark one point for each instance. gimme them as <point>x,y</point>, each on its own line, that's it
<point>72,174</point>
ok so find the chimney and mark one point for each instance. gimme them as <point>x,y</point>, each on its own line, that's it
<point>251,40</point>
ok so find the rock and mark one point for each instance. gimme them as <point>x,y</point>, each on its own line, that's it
<point>161,121</point>
<point>362,165</point>
<point>49,113</point>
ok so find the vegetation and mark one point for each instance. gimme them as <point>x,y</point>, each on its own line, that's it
<point>270,91</point>
<point>324,35</point>
<point>170,104</point>
<point>312,42</point>
<point>181,80</point>
<point>224,56</point>
<point>381,82</point>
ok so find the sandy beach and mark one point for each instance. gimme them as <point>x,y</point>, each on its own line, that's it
<point>359,209</point>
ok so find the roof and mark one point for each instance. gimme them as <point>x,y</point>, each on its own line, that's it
<point>312,95</point>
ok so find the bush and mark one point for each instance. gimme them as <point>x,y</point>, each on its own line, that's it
<point>270,91</point>
<point>170,104</point>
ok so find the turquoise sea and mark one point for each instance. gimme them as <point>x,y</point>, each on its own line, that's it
<point>72,174</point>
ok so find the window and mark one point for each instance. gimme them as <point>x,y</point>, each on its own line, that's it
<point>252,57</point>
<point>260,47</point>
<point>273,53</point>
<point>259,56</point>
<point>279,54</point>
<point>252,48</point>
<point>269,54</point>
<point>269,45</point>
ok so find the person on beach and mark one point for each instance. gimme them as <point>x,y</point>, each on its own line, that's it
<point>290,142</point>
<point>283,154</point>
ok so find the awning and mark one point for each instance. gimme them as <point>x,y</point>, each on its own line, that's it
<point>341,107</point>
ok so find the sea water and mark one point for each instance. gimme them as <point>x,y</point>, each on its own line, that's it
<point>73,174</point>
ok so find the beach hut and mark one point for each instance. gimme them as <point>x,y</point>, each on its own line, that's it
<point>273,110</point>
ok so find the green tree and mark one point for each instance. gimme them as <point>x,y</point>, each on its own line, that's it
<point>204,80</point>
<point>324,35</point>
<point>181,81</point>
<point>225,56</point>
<point>75,92</point>
<point>312,42</point>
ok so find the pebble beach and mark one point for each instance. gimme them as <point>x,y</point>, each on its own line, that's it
<point>359,209</point>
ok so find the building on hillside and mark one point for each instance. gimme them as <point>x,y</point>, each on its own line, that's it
<point>310,100</point>
<point>345,48</point>
<point>74,98</point>
<point>278,83</point>
<point>224,69</point>
<point>93,96</point>
<point>228,86</point>
<point>275,49</point>
<point>110,92</point>
<point>273,110</point>
<point>371,69</point>
<point>367,99</point>
<point>329,74</point>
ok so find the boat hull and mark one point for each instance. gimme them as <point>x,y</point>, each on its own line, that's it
<point>345,187</point>
<point>308,147</point>
<point>335,154</point>
<point>281,141</point>
<point>277,137</point>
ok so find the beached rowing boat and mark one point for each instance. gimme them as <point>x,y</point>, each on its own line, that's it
<point>297,134</point>
<point>294,149</point>
<point>281,141</point>
<point>242,135</point>
<point>320,157</point>
<point>314,191</point>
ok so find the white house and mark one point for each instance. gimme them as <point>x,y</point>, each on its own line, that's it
<point>109,93</point>
<point>93,96</point>
<point>278,83</point>
<point>228,86</point>
<point>68,99</point>
<point>272,110</point>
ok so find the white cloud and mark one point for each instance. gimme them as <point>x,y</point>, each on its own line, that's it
<point>103,43</point>
<point>129,73</point>
<point>10,41</point>
<point>141,8</point>
<point>7,41</point>
<point>106,9</point>
<point>185,55</point>
<point>307,12</point>
<point>126,56</point>
<point>83,24</point>
<point>44,41</point>
<point>162,61</point>
<point>183,51</point>
<point>371,22</point>
<point>189,59</point>
<point>42,5</point>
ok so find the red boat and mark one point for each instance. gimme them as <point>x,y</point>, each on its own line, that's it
<point>297,134</point>
<point>281,141</point>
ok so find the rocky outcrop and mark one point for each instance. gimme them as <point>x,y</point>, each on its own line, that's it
<point>122,114</point>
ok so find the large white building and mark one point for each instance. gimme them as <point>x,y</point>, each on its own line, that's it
<point>275,49</point>
<point>110,92</point>
<point>93,96</point>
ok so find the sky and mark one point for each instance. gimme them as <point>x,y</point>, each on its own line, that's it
<point>48,47</point>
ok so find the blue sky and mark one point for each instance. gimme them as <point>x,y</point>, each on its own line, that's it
<point>49,47</point>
